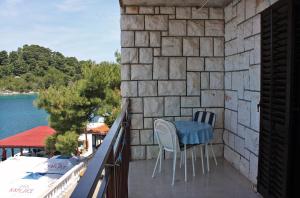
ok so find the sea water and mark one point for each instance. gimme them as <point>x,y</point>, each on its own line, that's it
<point>17,114</point>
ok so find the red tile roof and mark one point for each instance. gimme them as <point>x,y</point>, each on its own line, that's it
<point>33,138</point>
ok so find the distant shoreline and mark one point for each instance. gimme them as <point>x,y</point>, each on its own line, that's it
<point>12,93</point>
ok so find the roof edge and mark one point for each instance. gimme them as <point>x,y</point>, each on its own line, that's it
<point>210,3</point>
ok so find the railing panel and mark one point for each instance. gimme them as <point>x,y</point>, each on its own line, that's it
<point>113,157</point>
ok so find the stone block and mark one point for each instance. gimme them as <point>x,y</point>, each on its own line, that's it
<point>167,10</point>
<point>249,43</point>
<point>146,10</point>
<point>206,46</point>
<point>256,24</point>
<point>195,28</point>
<point>183,118</point>
<point>153,106</point>
<point>232,157</point>
<point>136,105</point>
<point>154,39</point>
<point>152,152</point>
<point>198,13</point>
<point>195,64</point>
<point>239,145</point>
<point>129,89</point>
<point>156,10</point>
<point>238,83</point>
<point>241,131</point>
<point>218,136</point>
<point>172,106</point>
<point>252,140</point>
<point>177,27</point>
<point>177,68</point>
<point>255,115</point>
<point>216,80</point>
<point>171,88</point>
<point>231,140</point>
<point>132,9</point>
<point>129,55</point>
<point>125,72</point>
<point>244,167</point>
<point>156,52</point>
<point>230,30</point>
<point>214,64</point>
<point>148,123</point>
<point>253,168</point>
<point>241,11</point>
<point>183,12</point>
<point>136,121</point>
<point>212,98</point>
<point>141,39</point>
<point>248,28</point>
<point>191,46</point>
<point>251,6</point>
<point>146,137</point>
<point>186,112</point>
<point>216,13</point>
<point>171,46</point>
<point>190,101</point>
<point>230,120</point>
<point>138,152</point>
<point>156,22</point>
<point>132,22</point>
<point>218,46</point>
<point>227,80</point>
<point>127,39</point>
<point>193,83</point>
<point>219,116</point>
<point>146,55</point>
<point>244,112</point>
<point>160,68</point>
<point>231,100</point>
<point>255,54</point>
<point>147,88</point>
<point>204,80</point>
<point>134,137</point>
<point>141,72</point>
<point>228,12</point>
<point>254,74</point>
<point>214,28</point>
<point>231,47</point>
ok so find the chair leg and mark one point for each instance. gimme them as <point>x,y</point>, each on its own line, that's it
<point>195,156</point>
<point>181,159</point>
<point>161,153</point>
<point>158,157</point>
<point>201,150</point>
<point>185,168</point>
<point>174,166</point>
<point>207,157</point>
<point>193,163</point>
<point>212,150</point>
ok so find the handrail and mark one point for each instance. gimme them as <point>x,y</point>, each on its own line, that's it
<point>87,184</point>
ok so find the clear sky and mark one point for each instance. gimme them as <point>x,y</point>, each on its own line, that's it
<point>86,29</point>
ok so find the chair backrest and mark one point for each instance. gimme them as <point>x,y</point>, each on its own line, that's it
<point>165,133</point>
<point>205,117</point>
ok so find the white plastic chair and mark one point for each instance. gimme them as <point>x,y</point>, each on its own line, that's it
<point>167,139</point>
<point>209,118</point>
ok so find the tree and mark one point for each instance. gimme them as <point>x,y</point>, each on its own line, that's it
<point>71,107</point>
<point>67,143</point>
<point>3,58</point>
<point>50,144</point>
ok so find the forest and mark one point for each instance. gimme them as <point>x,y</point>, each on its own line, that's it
<point>33,67</point>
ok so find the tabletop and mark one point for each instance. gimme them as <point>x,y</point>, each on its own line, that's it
<point>191,132</point>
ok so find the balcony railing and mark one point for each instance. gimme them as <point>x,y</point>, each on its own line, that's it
<point>107,172</point>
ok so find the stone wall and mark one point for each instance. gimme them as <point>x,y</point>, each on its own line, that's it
<point>172,66</point>
<point>242,84</point>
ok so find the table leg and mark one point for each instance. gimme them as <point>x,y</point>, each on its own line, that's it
<point>185,168</point>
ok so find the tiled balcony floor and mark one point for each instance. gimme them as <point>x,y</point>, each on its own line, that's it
<point>222,181</point>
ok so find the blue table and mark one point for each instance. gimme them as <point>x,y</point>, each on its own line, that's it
<point>191,132</point>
